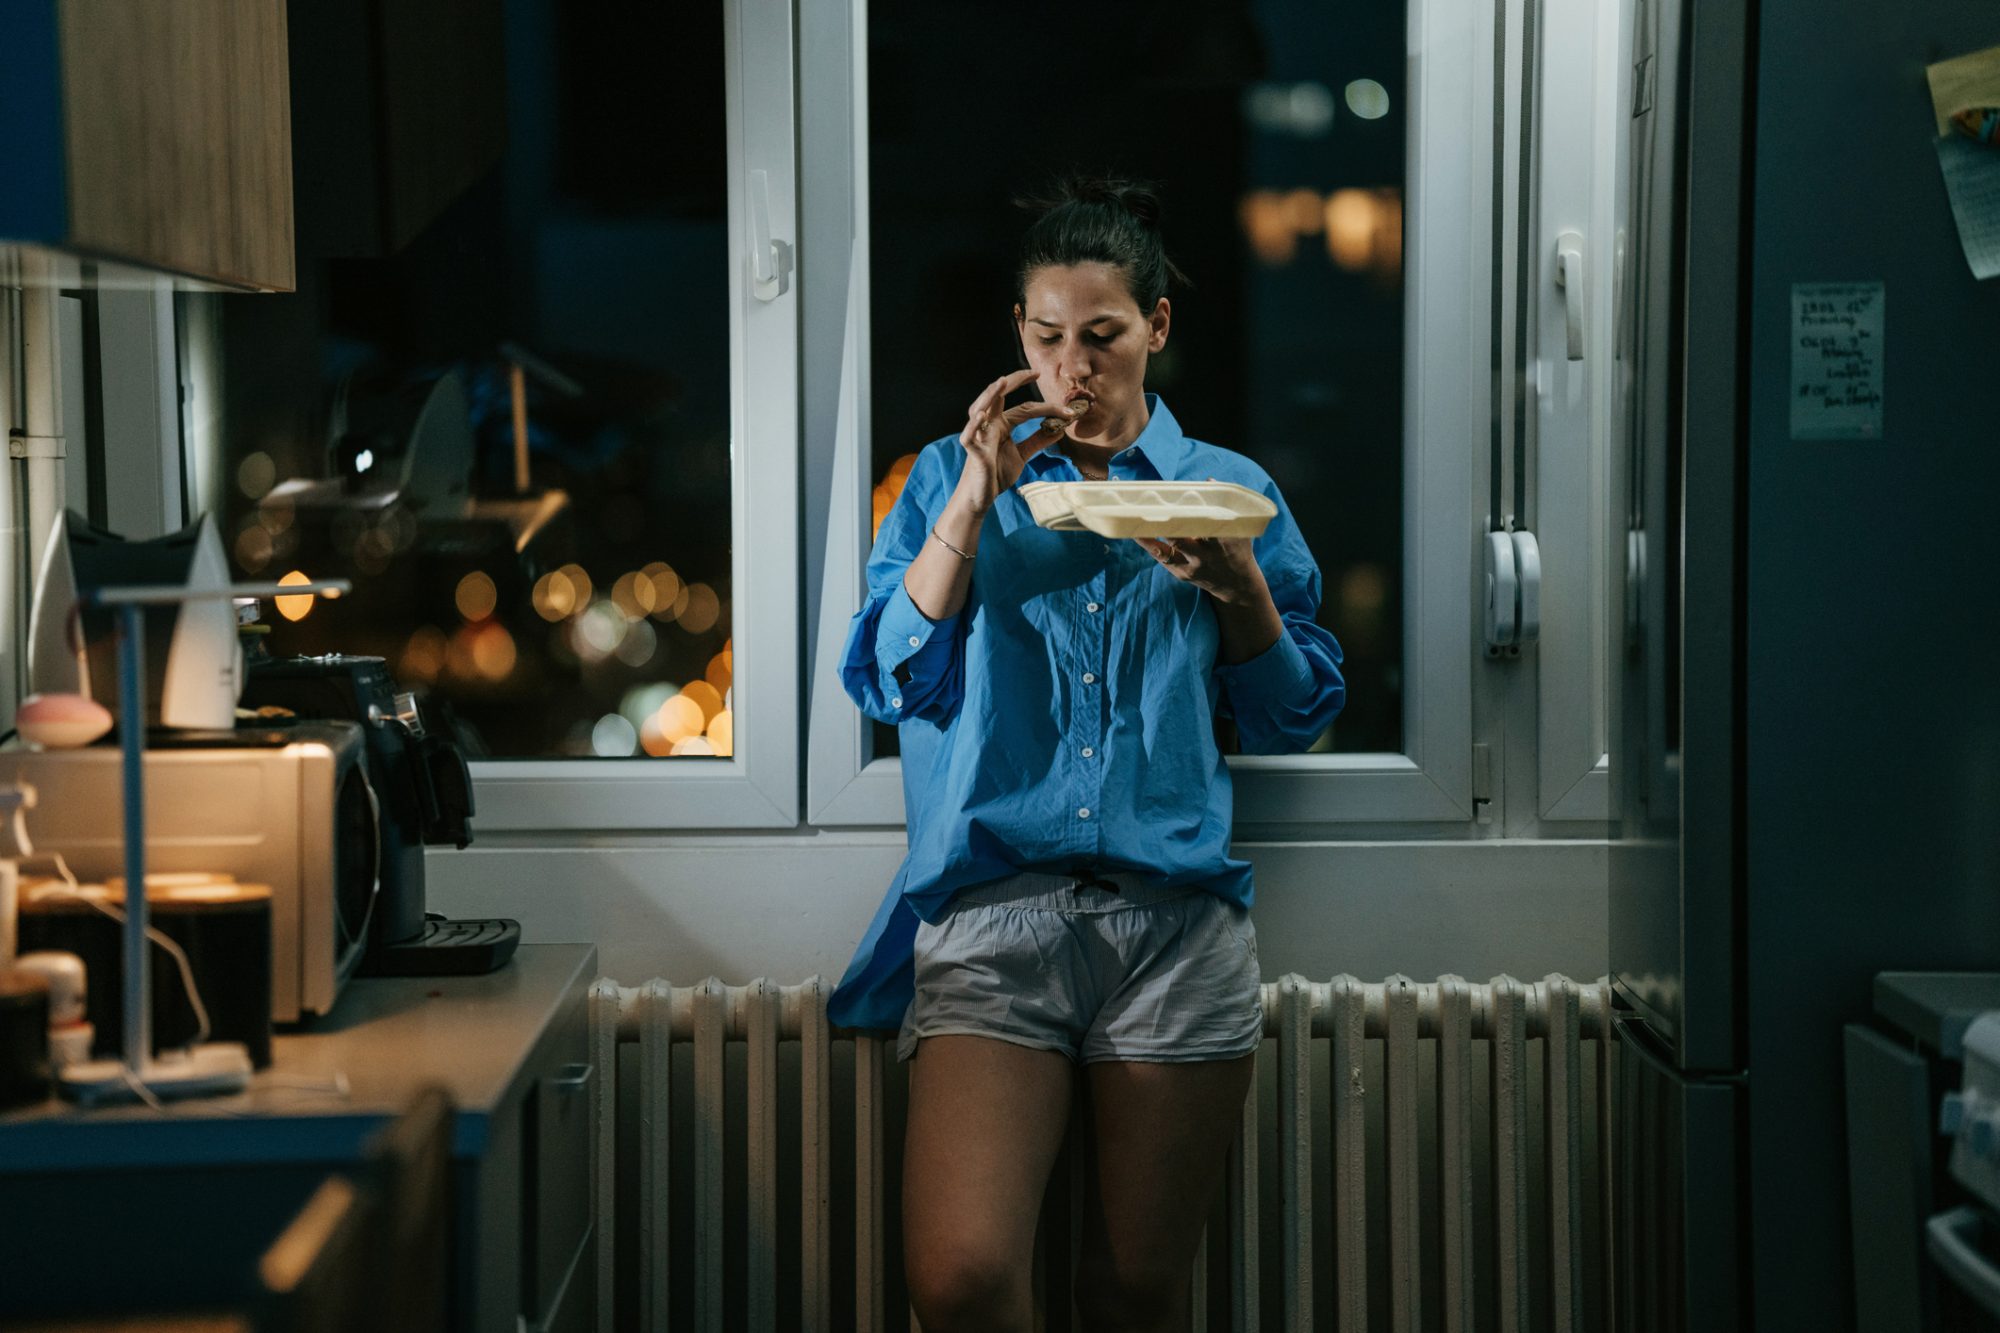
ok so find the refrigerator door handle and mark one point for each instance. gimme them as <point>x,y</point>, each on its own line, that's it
<point>1950,1236</point>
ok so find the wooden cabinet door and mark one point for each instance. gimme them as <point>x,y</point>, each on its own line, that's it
<point>176,124</point>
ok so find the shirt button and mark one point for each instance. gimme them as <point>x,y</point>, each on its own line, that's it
<point>1083,813</point>
<point>1088,752</point>
<point>1089,678</point>
<point>1090,607</point>
<point>916,642</point>
<point>896,702</point>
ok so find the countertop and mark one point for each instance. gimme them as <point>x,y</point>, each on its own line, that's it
<point>1936,1008</point>
<point>387,1037</point>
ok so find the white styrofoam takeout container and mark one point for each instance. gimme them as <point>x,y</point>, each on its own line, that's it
<point>1149,508</point>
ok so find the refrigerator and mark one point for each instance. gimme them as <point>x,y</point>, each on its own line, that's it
<point>1805,710</point>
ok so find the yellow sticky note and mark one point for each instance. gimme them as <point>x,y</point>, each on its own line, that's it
<point>1964,83</point>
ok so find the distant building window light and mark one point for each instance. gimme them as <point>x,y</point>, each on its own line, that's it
<point>1368,99</point>
<point>1301,109</point>
<point>1363,227</point>
<point>613,737</point>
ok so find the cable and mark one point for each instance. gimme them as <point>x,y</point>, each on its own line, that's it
<point>153,933</point>
<point>139,1088</point>
<point>335,1085</point>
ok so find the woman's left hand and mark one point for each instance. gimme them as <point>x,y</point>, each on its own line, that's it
<point>1223,567</point>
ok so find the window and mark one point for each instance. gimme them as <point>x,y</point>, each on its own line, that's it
<point>1325,191</point>
<point>790,268</point>
<point>105,384</point>
<point>1277,133</point>
<point>547,433</point>
<point>1557,478</point>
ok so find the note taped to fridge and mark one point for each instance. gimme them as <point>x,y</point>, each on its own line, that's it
<point>1837,361</point>
<point>1972,180</point>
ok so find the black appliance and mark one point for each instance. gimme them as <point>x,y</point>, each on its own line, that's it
<point>425,791</point>
<point>1808,738</point>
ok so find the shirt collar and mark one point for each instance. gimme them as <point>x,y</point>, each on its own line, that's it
<point>1161,443</point>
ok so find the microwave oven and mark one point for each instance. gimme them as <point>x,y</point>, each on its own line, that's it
<point>286,806</point>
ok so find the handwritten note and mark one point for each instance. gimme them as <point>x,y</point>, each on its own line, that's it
<point>1972,180</point>
<point>1837,361</point>
<point>1970,85</point>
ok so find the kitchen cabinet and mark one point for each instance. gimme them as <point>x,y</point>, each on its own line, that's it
<point>1899,1070</point>
<point>122,1210</point>
<point>156,134</point>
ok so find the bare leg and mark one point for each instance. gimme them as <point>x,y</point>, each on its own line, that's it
<point>986,1119</point>
<point>1161,1133</point>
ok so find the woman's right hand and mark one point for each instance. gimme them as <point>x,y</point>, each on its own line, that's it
<point>993,457</point>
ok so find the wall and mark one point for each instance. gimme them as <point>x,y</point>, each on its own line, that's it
<point>1873,711</point>
<point>787,907</point>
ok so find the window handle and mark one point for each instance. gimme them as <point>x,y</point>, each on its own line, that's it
<point>767,257</point>
<point>1569,280</point>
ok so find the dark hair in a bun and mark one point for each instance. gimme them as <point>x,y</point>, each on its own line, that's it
<point>1104,220</point>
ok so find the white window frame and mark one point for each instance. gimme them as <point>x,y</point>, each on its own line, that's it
<point>758,786</point>
<point>1430,784</point>
<point>1584,93</point>
<point>14,563</point>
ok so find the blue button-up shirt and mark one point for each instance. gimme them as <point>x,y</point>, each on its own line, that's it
<point>1063,719</point>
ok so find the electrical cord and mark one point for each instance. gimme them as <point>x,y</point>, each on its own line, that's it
<point>153,933</point>
<point>337,1084</point>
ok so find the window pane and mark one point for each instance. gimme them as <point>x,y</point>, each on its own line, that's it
<point>565,594</point>
<point>1276,132</point>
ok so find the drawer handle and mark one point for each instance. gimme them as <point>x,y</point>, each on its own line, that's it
<point>574,1078</point>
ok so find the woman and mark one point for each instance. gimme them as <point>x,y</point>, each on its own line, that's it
<point>1069,898</point>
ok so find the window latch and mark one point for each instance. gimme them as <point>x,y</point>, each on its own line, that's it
<point>1569,280</point>
<point>768,258</point>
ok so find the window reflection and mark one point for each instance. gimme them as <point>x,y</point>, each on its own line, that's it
<point>1277,134</point>
<point>512,429</point>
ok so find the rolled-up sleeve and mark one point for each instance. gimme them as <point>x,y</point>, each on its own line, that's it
<point>1283,698</point>
<point>898,662</point>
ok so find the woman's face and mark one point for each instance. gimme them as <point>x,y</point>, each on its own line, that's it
<point>1085,337</point>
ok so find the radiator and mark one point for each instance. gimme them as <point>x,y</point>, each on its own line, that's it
<point>1464,1196</point>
